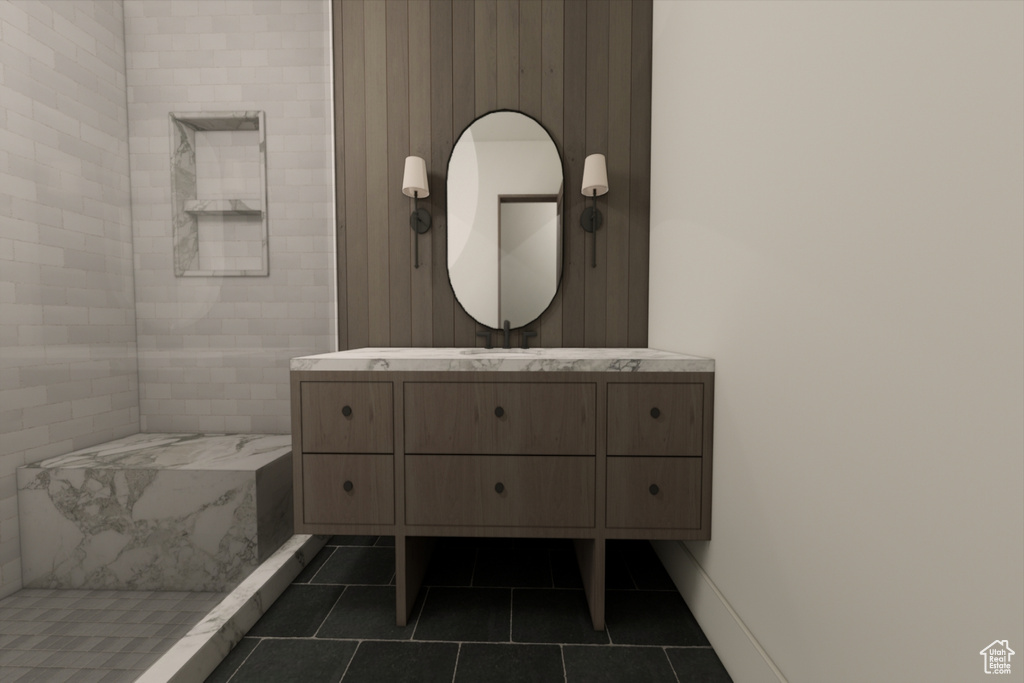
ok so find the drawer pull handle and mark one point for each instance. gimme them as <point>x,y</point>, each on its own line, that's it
<point>347,486</point>
<point>346,411</point>
<point>499,411</point>
<point>654,489</point>
<point>655,413</point>
<point>499,487</point>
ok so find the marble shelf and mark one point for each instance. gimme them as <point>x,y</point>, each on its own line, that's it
<point>194,512</point>
<point>505,360</point>
<point>188,131</point>
<point>222,207</point>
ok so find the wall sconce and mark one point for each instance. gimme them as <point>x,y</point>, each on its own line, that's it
<point>414,184</point>
<point>595,182</point>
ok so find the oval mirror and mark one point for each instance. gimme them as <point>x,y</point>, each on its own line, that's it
<point>505,219</point>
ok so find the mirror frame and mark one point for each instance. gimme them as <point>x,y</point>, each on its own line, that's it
<point>563,203</point>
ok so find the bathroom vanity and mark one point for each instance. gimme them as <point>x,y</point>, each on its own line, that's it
<point>586,444</point>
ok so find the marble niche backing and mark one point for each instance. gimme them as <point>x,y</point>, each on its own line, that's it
<point>195,512</point>
<point>219,193</point>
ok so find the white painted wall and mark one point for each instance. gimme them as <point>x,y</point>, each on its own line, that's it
<point>837,217</point>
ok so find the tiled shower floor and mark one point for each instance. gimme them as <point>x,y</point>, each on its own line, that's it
<point>92,635</point>
<point>490,610</point>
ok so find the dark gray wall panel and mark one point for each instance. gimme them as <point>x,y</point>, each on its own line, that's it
<point>410,76</point>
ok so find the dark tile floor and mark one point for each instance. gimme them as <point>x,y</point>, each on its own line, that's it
<point>491,610</point>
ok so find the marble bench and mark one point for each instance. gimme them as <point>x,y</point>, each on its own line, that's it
<point>156,512</point>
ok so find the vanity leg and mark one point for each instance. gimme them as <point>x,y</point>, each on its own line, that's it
<point>412,557</point>
<point>590,556</point>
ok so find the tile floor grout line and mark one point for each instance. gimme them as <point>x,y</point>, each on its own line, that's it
<point>359,585</point>
<point>617,646</point>
<point>458,655</point>
<point>244,659</point>
<point>350,660</point>
<point>561,654</point>
<point>670,665</point>
<point>426,596</point>
<point>511,606</point>
<point>323,564</point>
<point>327,614</point>
<point>419,613</point>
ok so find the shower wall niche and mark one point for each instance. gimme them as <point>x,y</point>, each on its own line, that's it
<point>219,194</point>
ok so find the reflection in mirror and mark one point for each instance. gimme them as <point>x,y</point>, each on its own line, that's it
<point>505,219</point>
<point>528,255</point>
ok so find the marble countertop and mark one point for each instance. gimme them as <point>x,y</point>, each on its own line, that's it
<point>505,360</point>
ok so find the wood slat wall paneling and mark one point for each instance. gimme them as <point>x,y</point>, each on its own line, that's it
<point>353,102</point>
<point>442,26</point>
<point>574,151</point>
<point>420,145</point>
<point>529,51</point>
<point>337,48</point>
<point>552,61</point>
<point>377,193</point>
<point>508,54</point>
<point>485,57</point>
<point>640,177</point>
<point>617,232</point>
<point>596,281</point>
<point>410,76</point>
<point>398,113</point>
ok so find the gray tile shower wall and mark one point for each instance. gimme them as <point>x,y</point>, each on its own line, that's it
<point>68,375</point>
<point>98,338</point>
<point>214,350</point>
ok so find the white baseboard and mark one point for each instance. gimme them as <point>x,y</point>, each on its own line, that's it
<point>741,654</point>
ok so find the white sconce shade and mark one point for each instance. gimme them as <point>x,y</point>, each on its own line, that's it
<point>415,179</point>
<point>414,184</point>
<point>595,176</point>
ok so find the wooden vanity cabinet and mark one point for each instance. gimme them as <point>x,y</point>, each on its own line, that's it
<point>347,417</point>
<point>481,491</point>
<point>513,418</point>
<point>340,488</point>
<point>581,455</point>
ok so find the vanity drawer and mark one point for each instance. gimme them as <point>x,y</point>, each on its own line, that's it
<point>348,489</point>
<point>655,419</point>
<point>347,417</point>
<point>495,490</point>
<point>654,493</point>
<point>524,418</point>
